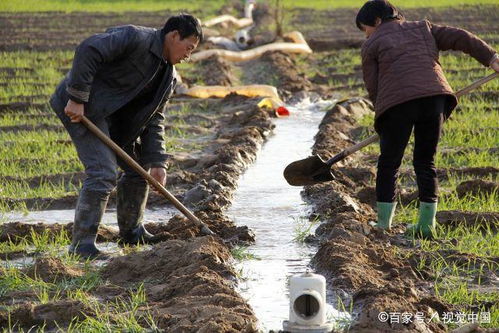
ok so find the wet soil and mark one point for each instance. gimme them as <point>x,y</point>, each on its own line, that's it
<point>189,285</point>
<point>52,270</point>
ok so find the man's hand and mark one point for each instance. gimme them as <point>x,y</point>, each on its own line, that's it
<point>74,111</point>
<point>159,174</point>
<point>495,65</point>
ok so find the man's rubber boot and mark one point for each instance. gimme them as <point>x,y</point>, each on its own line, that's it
<point>88,214</point>
<point>131,203</point>
<point>386,211</point>
<point>425,227</point>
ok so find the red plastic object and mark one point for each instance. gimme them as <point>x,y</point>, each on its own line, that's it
<point>282,112</point>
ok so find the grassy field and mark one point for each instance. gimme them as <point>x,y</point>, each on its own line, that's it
<point>108,6</point>
<point>201,5</point>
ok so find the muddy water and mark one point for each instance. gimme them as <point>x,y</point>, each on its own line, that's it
<point>66,216</point>
<point>273,210</point>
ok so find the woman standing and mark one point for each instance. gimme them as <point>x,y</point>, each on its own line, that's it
<point>406,83</point>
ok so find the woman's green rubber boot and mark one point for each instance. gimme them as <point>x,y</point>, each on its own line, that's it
<point>426,222</point>
<point>386,210</point>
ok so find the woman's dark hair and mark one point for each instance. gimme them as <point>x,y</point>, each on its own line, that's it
<point>186,25</point>
<point>374,9</point>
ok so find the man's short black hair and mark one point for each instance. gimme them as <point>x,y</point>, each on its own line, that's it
<point>375,9</point>
<point>186,25</point>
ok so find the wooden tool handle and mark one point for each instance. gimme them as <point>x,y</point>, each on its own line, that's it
<point>477,84</point>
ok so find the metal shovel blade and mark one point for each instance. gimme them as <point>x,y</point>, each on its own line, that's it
<point>309,171</point>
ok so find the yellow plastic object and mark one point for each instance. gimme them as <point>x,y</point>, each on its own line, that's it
<point>299,45</point>
<point>277,105</point>
<point>269,103</point>
<point>255,90</point>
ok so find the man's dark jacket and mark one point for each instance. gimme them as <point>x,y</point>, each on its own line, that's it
<point>109,70</point>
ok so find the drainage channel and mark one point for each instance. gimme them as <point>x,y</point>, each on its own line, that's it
<point>161,215</point>
<point>274,210</point>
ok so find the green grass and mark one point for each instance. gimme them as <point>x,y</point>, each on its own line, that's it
<point>45,242</point>
<point>304,228</point>
<point>465,240</point>
<point>10,119</point>
<point>13,279</point>
<point>344,323</point>
<point>22,190</point>
<point>242,253</point>
<point>471,203</point>
<point>108,5</point>
<point>30,167</point>
<point>130,314</point>
<point>452,284</point>
<point>200,5</point>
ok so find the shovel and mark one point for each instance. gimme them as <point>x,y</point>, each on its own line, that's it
<point>161,189</point>
<point>314,169</point>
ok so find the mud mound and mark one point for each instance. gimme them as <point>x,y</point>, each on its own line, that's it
<point>52,270</point>
<point>189,285</point>
<point>164,258</point>
<point>16,231</point>
<point>443,174</point>
<point>289,79</point>
<point>475,187</point>
<point>216,71</point>
<point>39,203</point>
<point>277,69</point>
<point>470,219</point>
<point>52,315</point>
<point>363,176</point>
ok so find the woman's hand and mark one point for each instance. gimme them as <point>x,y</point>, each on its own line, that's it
<point>74,111</point>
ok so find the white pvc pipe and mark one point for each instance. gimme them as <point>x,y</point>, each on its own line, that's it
<point>248,8</point>
<point>299,45</point>
<point>241,23</point>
